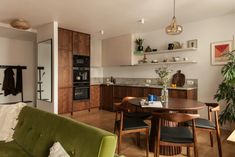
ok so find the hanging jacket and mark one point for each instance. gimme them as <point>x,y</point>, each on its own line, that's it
<point>9,82</point>
<point>19,82</point>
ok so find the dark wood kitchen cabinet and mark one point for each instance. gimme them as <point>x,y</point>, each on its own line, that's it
<point>115,93</point>
<point>65,100</point>
<point>107,97</point>
<point>68,43</point>
<point>81,44</point>
<point>65,38</point>
<point>95,95</point>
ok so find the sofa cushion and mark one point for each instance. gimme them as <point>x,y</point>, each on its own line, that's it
<point>11,149</point>
<point>37,131</point>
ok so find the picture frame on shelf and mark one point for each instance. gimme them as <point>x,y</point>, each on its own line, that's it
<point>192,43</point>
<point>218,51</point>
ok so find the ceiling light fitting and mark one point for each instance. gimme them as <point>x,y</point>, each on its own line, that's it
<point>173,28</point>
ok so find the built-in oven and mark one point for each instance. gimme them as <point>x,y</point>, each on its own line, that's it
<point>81,61</point>
<point>81,92</point>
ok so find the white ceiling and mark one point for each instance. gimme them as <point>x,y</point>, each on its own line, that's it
<point>115,17</point>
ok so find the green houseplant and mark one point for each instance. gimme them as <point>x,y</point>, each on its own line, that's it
<point>226,90</point>
<point>139,42</point>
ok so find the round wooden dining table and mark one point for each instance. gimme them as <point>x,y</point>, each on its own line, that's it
<point>173,105</point>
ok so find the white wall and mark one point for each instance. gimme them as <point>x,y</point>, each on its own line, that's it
<point>17,49</point>
<point>45,32</point>
<point>206,31</point>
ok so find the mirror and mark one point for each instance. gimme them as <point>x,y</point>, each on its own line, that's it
<point>44,71</point>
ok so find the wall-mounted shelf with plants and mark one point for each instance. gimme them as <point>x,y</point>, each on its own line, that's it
<point>166,51</point>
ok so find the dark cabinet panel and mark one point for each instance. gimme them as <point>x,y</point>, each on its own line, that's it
<point>65,68</point>
<point>65,38</point>
<point>81,44</point>
<point>95,96</point>
<point>107,97</point>
<point>81,105</point>
<point>65,100</point>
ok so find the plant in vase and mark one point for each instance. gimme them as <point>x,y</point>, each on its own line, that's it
<point>226,90</point>
<point>164,75</point>
<point>139,42</point>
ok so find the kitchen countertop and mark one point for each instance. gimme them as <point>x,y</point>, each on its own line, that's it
<point>149,86</point>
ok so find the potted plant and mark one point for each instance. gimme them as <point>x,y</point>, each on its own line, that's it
<point>226,90</point>
<point>139,42</point>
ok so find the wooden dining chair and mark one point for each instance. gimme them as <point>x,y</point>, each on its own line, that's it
<point>175,136</point>
<point>126,125</point>
<point>210,126</point>
<point>132,111</point>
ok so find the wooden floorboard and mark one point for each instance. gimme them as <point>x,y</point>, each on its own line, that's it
<point>104,119</point>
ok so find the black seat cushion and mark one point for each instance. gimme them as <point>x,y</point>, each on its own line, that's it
<point>132,123</point>
<point>140,115</point>
<point>176,134</point>
<point>202,123</point>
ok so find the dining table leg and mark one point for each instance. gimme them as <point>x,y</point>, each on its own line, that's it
<point>164,150</point>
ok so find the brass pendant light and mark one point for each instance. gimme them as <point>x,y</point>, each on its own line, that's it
<point>173,28</point>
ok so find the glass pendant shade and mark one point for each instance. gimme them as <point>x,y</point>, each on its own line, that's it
<point>173,28</point>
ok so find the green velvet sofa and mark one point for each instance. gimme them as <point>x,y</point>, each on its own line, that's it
<point>37,131</point>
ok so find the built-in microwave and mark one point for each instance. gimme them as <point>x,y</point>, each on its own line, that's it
<point>81,61</point>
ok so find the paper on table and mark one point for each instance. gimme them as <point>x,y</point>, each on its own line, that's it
<point>152,104</point>
<point>231,138</point>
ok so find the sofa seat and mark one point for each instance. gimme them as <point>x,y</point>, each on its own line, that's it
<point>12,149</point>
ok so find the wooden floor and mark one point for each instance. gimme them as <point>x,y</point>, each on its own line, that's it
<point>104,119</point>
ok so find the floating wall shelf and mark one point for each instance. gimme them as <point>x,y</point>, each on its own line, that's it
<point>167,63</point>
<point>167,51</point>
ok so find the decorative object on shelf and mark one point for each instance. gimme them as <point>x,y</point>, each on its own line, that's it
<point>20,24</point>
<point>144,60</point>
<point>148,49</point>
<point>165,60</point>
<point>177,45</point>
<point>226,90</point>
<point>154,61</point>
<point>185,59</point>
<point>163,73</point>
<point>178,79</point>
<point>173,28</point>
<point>139,42</point>
<point>219,51</point>
<point>154,50</point>
<point>171,46</point>
<point>176,59</point>
<point>192,43</point>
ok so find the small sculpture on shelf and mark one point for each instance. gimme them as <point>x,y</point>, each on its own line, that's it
<point>148,49</point>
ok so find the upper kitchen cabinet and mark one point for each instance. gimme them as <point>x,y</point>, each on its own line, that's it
<point>65,39</point>
<point>81,44</point>
<point>118,51</point>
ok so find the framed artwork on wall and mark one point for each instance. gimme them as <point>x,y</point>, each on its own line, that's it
<point>192,43</point>
<point>218,51</point>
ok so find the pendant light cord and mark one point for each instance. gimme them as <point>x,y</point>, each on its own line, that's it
<point>174,8</point>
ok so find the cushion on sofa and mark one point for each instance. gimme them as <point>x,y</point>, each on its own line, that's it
<point>11,149</point>
<point>37,131</point>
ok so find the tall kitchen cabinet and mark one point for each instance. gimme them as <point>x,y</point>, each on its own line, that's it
<point>69,43</point>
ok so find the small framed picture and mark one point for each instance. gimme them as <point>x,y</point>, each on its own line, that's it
<point>219,50</point>
<point>192,43</point>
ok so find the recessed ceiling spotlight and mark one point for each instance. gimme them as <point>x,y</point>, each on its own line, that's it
<point>102,32</point>
<point>141,21</point>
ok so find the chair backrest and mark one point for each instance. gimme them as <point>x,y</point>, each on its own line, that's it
<point>175,117</point>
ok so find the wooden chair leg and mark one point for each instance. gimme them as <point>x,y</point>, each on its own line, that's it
<point>147,142</point>
<point>119,142</point>
<point>211,139</point>
<point>219,143</point>
<point>115,127</point>
<point>188,151</point>
<point>195,150</point>
<point>138,138</point>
